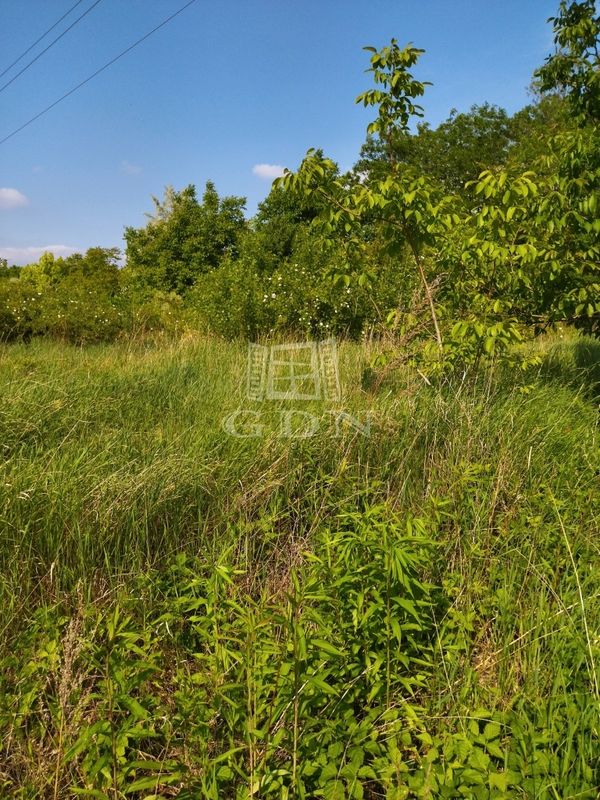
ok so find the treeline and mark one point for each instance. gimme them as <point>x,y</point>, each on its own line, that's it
<point>485,227</point>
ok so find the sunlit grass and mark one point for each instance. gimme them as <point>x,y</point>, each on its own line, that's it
<point>115,459</point>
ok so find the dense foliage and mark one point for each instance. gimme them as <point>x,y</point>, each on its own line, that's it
<point>489,221</point>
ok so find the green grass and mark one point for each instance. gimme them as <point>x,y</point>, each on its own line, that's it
<point>477,503</point>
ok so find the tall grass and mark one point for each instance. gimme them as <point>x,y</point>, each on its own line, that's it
<point>122,494</point>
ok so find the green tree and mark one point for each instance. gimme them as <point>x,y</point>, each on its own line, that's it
<point>534,131</point>
<point>522,251</point>
<point>464,145</point>
<point>279,219</point>
<point>183,239</point>
<point>574,68</point>
<point>408,209</point>
<point>533,242</point>
<point>98,268</point>
<point>455,152</point>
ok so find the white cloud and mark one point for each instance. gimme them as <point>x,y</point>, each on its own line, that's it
<point>268,171</point>
<point>130,169</point>
<point>12,198</point>
<point>27,255</point>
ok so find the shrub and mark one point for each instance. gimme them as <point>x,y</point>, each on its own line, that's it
<point>20,308</point>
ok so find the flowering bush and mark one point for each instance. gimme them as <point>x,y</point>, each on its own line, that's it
<point>19,309</point>
<point>227,301</point>
<point>300,295</point>
<point>78,315</point>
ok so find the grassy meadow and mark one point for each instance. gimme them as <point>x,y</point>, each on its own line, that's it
<point>412,613</point>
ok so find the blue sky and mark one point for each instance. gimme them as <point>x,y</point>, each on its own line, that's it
<point>224,87</point>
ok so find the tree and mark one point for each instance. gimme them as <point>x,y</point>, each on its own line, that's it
<point>455,152</point>
<point>279,219</point>
<point>574,71</point>
<point>574,68</point>
<point>535,235</point>
<point>521,252</point>
<point>408,209</point>
<point>535,128</point>
<point>183,239</point>
<point>98,269</point>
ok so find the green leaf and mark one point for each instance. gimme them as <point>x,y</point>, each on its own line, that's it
<point>321,684</point>
<point>492,730</point>
<point>132,705</point>
<point>151,782</point>
<point>328,648</point>
<point>498,780</point>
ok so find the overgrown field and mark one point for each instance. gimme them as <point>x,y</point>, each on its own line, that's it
<point>413,613</point>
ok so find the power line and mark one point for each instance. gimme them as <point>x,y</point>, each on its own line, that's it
<point>52,43</point>
<point>37,41</point>
<point>98,71</point>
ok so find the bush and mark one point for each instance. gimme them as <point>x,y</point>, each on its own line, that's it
<point>227,301</point>
<point>160,312</point>
<point>19,309</point>
<point>77,314</point>
<point>299,296</point>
